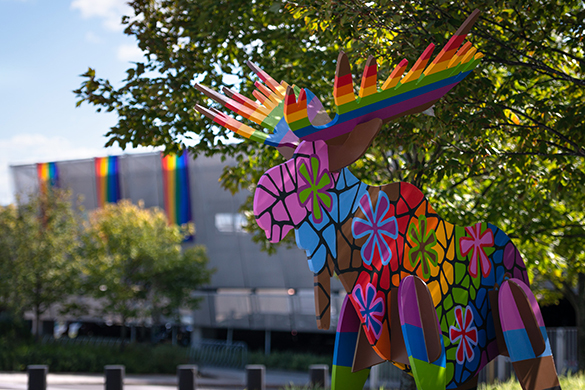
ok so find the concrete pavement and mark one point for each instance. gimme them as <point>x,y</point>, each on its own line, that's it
<point>210,379</point>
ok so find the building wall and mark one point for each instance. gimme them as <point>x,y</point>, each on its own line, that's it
<point>249,289</point>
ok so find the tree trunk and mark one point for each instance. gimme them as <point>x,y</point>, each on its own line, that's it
<point>407,382</point>
<point>123,331</point>
<point>580,311</point>
<point>123,334</point>
<point>38,326</point>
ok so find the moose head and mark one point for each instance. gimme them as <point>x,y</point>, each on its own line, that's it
<point>297,192</point>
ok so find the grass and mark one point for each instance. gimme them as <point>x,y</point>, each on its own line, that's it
<point>568,382</point>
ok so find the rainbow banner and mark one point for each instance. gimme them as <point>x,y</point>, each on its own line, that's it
<point>176,188</point>
<point>48,175</point>
<point>107,180</point>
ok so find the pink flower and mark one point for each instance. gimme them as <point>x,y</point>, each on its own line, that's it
<point>477,242</point>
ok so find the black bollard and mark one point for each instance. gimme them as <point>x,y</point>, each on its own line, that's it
<point>187,377</point>
<point>255,374</point>
<point>37,377</point>
<point>318,375</point>
<point>114,377</point>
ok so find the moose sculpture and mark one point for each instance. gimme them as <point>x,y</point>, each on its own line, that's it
<point>435,299</point>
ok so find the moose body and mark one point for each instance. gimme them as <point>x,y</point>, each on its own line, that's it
<point>436,299</point>
<point>373,237</point>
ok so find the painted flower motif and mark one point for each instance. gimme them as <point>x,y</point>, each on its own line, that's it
<point>476,243</point>
<point>464,333</point>
<point>314,182</point>
<point>371,308</point>
<point>376,227</point>
<point>424,241</point>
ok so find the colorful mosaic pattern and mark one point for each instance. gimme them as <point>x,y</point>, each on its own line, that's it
<point>377,236</point>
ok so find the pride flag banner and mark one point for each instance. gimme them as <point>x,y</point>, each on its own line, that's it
<point>48,175</point>
<point>176,188</point>
<point>107,180</point>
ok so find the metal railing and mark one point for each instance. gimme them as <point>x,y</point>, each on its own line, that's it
<point>99,341</point>
<point>219,353</point>
<point>563,344</point>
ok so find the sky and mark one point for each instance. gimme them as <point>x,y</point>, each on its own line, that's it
<point>45,45</point>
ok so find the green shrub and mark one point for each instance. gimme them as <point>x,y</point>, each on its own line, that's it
<point>138,359</point>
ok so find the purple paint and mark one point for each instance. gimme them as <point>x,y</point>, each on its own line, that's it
<point>351,321</point>
<point>336,129</point>
<point>510,255</point>
<point>510,317</point>
<point>531,300</point>
<point>407,303</point>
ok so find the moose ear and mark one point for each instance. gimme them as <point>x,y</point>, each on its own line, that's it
<point>346,149</point>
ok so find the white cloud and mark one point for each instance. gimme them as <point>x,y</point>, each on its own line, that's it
<point>92,37</point>
<point>130,53</point>
<point>111,11</point>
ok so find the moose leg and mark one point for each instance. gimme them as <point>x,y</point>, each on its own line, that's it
<point>421,333</point>
<point>342,377</point>
<point>471,384</point>
<point>525,337</point>
<point>322,283</point>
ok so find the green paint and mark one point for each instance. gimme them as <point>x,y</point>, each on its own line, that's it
<point>428,376</point>
<point>301,123</point>
<point>448,302</point>
<point>460,272</point>
<point>461,296</point>
<point>258,136</point>
<point>343,379</point>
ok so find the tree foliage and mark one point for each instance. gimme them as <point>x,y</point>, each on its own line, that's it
<point>134,265</point>
<point>39,258</point>
<point>506,146</point>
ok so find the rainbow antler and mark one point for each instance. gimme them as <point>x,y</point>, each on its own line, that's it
<point>267,112</point>
<point>418,90</point>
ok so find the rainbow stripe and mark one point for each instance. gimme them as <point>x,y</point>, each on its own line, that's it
<point>395,76</point>
<point>443,60</point>
<point>107,180</point>
<point>419,65</point>
<point>267,112</point>
<point>176,188</point>
<point>342,86</point>
<point>295,112</point>
<point>369,85</point>
<point>48,175</point>
<point>345,344</point>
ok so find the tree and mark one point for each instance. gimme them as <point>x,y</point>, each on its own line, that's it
<point>134,264</point>
<point>38,261</point>
<point>506,145</point>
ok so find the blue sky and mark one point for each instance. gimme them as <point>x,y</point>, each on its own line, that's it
<point>45,46</point>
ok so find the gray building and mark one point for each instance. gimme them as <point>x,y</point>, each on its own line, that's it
<point>250,289</point>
